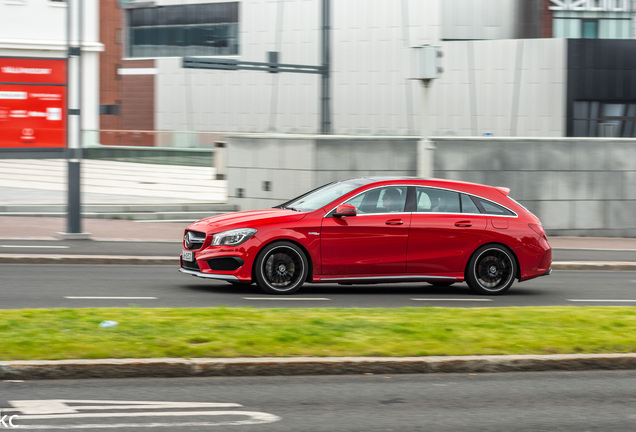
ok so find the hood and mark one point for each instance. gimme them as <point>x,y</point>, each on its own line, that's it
<point>245,219</point>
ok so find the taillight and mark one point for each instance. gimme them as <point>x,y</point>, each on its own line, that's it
<point>539,230</point>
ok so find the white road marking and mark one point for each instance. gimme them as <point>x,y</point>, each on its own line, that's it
<point>137,414</point>
<point>597,249</point>
<point>35,246</point>
<point>288,298</point>
<point>452,299</point>
<point>53,409</point>
<point>165,221</point>
<point>62,406</point>
<point>602,300</point>
<point>181,424</point>
<point>108,298</point>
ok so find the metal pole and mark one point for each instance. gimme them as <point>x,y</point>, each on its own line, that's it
<point>425,148</point>
<point>74,124</point>
<point>325,97</point>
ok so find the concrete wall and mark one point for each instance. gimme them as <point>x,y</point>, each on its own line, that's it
<point>295,164</point>
<point>576,186</point>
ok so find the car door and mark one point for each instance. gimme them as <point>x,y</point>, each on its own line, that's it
<point>444,229</point>
<point>373,242</point>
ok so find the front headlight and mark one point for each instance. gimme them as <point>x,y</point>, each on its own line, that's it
<point>233,237</point>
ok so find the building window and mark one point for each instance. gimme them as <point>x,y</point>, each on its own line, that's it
<point>589,29</point>
<point>603,119</point>
<point>618,27</point>
<point>183,30</point>
<point>109,109</point>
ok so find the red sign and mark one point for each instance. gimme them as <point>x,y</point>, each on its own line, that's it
<point>33,110</point>
<point>30,70</point>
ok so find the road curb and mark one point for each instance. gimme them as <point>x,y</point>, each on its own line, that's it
<point>174,260</point>
<point>208,367</point>
<point>594,265</point>
<point>88,259</point>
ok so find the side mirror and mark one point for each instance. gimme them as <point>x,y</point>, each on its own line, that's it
<point>345,210</point>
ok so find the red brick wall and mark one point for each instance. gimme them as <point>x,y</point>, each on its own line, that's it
<point>138,103</point>
<point>546,19</point>
<point>134,94</point>
<point>110,60</point>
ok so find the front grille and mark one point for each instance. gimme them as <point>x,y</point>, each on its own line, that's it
<point>190,265</point>
<point>193,240</point>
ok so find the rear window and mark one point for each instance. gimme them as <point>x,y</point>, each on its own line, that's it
<point>489,207</point>
<point>468,206</point>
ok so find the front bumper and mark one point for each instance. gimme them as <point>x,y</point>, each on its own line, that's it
<point>225,277</point>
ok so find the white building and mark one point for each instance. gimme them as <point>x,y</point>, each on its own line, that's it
<point>494,83</point>
<point>370,60</point>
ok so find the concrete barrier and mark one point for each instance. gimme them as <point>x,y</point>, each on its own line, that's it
<point>577,186</point>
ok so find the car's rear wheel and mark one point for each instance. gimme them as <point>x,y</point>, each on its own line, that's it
<point>281,268</point>
<point>491,270</point>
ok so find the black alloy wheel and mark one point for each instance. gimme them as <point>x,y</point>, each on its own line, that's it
<point>281,268</point>
<point>491,270</point>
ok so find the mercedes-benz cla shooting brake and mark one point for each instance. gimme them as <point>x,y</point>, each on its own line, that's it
<point>375,230</point>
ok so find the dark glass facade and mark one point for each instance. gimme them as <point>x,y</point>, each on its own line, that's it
<point>601,88</point>
<point>183,30</point>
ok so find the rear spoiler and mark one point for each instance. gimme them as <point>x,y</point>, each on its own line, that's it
<point>504,190</point>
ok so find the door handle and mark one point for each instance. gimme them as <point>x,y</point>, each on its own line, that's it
<point>463,224</point>
<point>394,222</point>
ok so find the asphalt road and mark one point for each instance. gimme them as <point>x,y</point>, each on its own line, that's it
<point>529,401</point>
<point>150,248</point>
<point>77,286</point>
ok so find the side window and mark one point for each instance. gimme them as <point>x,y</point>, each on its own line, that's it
<point>489,207</point>
<point>431,200</point>
<point>389,199</point>
<point>468,206</point>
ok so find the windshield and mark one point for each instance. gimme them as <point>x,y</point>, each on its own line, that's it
<point>322,196</point>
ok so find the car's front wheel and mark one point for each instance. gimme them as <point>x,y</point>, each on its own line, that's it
<point>281,268</point>
<point>491,270</point>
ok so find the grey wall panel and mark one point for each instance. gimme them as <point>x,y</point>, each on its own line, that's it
<point>567,183</point>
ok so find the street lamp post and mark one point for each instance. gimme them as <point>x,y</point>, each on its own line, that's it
<point>74,120</point>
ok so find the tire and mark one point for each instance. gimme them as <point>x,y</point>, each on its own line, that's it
<point>491,270</point>
<point>281,268</point>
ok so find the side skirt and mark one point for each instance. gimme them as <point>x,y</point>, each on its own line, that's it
<point>380,279</point>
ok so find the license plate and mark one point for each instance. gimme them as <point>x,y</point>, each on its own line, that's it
<point>187,255</point>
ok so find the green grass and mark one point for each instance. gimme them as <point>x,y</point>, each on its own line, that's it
<point>31,334</point>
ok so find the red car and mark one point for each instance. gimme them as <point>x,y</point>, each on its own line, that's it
<point>375,230</point>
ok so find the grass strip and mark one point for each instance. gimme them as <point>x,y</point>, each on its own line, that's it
<point>52,334</point>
